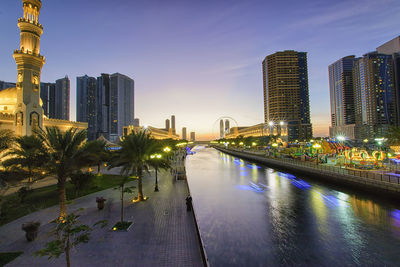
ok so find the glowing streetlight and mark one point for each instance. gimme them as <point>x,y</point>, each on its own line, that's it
<point>341,138</point>
<point>275,145</point>
<point>241,143</point>
<point>281,123</point>
<point>167,149</point>
<point>253,144</point>
<point>271,123</point>
<point>155,157</point>
<point>317,146</point>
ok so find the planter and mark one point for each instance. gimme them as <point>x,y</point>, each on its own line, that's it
<point>31,230</point>
<point>100,202</point>
<point>122,226</point>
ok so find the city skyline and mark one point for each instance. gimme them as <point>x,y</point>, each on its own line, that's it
<point>216,61</point>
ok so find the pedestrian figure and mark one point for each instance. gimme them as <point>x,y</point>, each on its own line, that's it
<point>189,203</point>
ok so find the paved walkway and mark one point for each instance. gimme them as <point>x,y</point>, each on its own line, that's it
<point>163,233</point>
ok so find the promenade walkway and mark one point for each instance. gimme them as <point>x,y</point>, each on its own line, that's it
<point>163,233</point>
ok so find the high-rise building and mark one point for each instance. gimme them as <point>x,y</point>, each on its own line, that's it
<point>393,48</point>
<point>62,99</point>
<point>173,124</point>
<point>286,97</point>
<point>121,104</point>
<point>221,129</point>
<point>136,122</point>
<point>167,126</point>
<point>184,137</point>
<point>342,98</point>
<point>103,106</point>
<point>227,126</point>
<point>48,96</point>
<point>192,136</point>
<point>375,96</point>
<point>86,91</point>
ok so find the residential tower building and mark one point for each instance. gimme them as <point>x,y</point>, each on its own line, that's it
<point>375,96</point>
<point>62,99</point>
<point>286,96</point>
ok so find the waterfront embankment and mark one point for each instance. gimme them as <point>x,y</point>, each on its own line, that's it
<point>364,180</point>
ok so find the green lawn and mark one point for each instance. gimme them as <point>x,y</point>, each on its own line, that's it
<point>7,257</point>
<point>46,197</point>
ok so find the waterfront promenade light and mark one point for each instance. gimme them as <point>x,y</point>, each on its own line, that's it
<point>341,138</point>
<point>156,157</point>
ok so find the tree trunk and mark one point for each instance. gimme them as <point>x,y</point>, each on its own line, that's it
<point>98,169</point>
<point>67,254</point>
<point>122,203</point>
<point>140,188</point>
<point>62,197</point>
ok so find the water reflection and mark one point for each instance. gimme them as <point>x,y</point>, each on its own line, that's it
<point>255,216</point>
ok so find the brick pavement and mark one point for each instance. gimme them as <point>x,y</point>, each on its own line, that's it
<point>163,233</point>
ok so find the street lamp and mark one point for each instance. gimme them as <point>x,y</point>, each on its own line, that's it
<point>156,157</point>
<point>341,138</point>
<point>317,146</point>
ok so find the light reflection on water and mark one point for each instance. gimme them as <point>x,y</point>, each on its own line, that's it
<point>254,216</point>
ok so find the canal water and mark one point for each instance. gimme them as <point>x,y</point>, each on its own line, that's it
<point>251,215</point>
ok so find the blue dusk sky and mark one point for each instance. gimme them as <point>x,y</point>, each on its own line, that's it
<point>199,60</point>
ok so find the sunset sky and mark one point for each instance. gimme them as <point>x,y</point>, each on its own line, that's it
<point>199,60</point>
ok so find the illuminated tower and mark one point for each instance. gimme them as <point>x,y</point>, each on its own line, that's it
<point>29,113</point>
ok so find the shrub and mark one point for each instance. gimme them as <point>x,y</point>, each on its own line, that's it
<point>81,180</point>
<point>23,193</point>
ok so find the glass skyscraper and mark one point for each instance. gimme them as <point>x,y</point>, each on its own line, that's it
<point>375,96</point>
<point>342,97</point>
<point>86,103</point>
<point>62,99</point>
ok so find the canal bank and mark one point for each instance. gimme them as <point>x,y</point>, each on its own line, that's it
<point>363,180</point>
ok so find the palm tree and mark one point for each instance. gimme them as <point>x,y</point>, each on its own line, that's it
<point>28,153</point>
<point>96,153</point>
<point>66,154</point>
<point>6,139</point>
<point>134,156</point>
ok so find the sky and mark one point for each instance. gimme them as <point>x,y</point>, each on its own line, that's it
<point>199,60</point>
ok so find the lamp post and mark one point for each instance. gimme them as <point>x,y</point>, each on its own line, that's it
<point>317,146</point>
<point>156,157</point>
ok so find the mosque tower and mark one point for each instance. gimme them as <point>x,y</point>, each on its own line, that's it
<point>28,112</point>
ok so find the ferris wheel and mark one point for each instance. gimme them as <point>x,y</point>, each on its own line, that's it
<point>222,126</point>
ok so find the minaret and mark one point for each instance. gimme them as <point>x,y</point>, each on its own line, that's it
<point>29,113</point>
